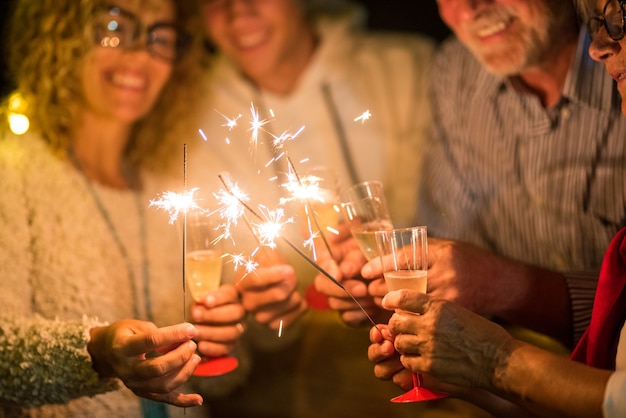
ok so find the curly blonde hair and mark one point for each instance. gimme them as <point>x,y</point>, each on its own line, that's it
<point>47,44</point>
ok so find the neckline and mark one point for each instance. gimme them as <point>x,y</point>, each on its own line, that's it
<point>106,217</point>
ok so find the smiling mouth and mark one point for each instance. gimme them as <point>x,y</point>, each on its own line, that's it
<point>128,81</point>
<point>492,29</point>
<point>250,40</point>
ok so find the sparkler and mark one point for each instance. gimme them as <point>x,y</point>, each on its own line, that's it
<point>363,117</point>
<point>175,203</point>
<point>305,190</point>
<point>319,268</point>
<point>255,125</point>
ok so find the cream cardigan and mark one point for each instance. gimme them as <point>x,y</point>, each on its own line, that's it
<point>62,273</point>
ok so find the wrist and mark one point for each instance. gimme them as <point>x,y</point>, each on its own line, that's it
<point>97,350</point>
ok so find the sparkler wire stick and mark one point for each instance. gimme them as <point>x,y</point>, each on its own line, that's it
<point>302,254</point>
<point>310,209</point>
<point>184,233</point>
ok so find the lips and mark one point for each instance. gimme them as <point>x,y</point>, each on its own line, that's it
<point>128,80</point>
<point>491,21</point>
<point>492,29</point>
<point>250,39</point>
<point>618,75</point>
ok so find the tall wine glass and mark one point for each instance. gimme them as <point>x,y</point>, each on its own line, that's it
<point>323,201</point>
<point>404,257</point>
<point>366,212</point>
<point>203,274</point>
<point>319,210</point>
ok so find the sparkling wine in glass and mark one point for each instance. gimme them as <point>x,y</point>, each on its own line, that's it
<point>203,274</point>
<point>404,256</point>
<point>366,211</point>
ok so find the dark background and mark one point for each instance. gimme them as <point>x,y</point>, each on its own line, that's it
<point>394,15</point>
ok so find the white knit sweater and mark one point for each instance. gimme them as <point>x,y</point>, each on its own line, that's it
<point>62,273</point>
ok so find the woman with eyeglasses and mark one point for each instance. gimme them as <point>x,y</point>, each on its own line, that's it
<point>91,307</point>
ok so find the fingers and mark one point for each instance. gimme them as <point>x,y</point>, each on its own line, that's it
<point>219,316</point>
<point>265,277</point>
<point>164,373</point>
<point>352,262</point>
<point>166,363</point>
<point>158,338</point>
<point>225,294</point>
<point>373,269</point>
<point>182,400</point>
<point>407,300</point>
<point>287,310</point>
<point>378,289</point>
<point>277,285</point>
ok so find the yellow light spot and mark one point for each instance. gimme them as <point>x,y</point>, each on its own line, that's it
<point>18,123</point>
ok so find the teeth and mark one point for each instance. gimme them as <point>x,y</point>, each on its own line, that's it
<point>490,30</point>
<point>247,41</point>
<point>621,76</point>
<point>125,80</point>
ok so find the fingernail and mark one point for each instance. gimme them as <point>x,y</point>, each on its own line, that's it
<point>366,271</point>
<point>209,300</point>
<point>191,330</point>
<point>196,313</point>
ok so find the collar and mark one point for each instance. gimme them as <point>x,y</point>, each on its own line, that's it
<point>587,81</point>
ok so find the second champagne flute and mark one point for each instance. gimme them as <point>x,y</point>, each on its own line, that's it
<point>365,209</point>
<point>203,274</point>
<point>404,257</point>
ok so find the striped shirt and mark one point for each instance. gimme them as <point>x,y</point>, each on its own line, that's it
<point>543,186</point>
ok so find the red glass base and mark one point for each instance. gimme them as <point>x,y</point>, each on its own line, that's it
<point>216,366</point>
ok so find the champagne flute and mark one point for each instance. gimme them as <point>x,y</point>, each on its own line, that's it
<point>366,212</point>
<point>404,258</point>
<point>323,200</point>
<point>203,274</point>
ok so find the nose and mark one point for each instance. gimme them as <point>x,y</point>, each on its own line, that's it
<point>603,47</point>
<point>239,7</point>
<point>465,10</point>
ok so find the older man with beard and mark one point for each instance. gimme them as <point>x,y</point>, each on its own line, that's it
<point>525,176</point>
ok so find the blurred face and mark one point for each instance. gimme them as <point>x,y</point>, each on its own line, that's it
<point>122,78</point>
<point>509,36</point>
<point>610,52</point>
<point>263,37</point>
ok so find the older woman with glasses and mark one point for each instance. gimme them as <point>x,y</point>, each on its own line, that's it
<point>478,360</point>
<point>90,276</point>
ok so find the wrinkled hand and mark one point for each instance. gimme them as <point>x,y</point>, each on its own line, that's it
<point>445,340</point>
<point>474,278</point>
<point>386,359</point>
<point>345,267</point>
<point>271,294</point>
<point>124,349</point>
<point>219,319</point>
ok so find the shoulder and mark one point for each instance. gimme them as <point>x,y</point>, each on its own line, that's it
<point>15,148</point>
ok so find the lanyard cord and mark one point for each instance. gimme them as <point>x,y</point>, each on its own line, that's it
<point>341,133</point>
<point>145,268</point>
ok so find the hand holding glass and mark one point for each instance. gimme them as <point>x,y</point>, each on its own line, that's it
<point>203,274</point>
<point>404,258</point>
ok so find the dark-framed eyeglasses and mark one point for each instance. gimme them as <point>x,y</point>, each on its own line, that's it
<point>114,27</point>
<point>612,18</point>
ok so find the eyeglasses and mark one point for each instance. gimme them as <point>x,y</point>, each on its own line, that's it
<point>117,28</point>
<point>612,18</point>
